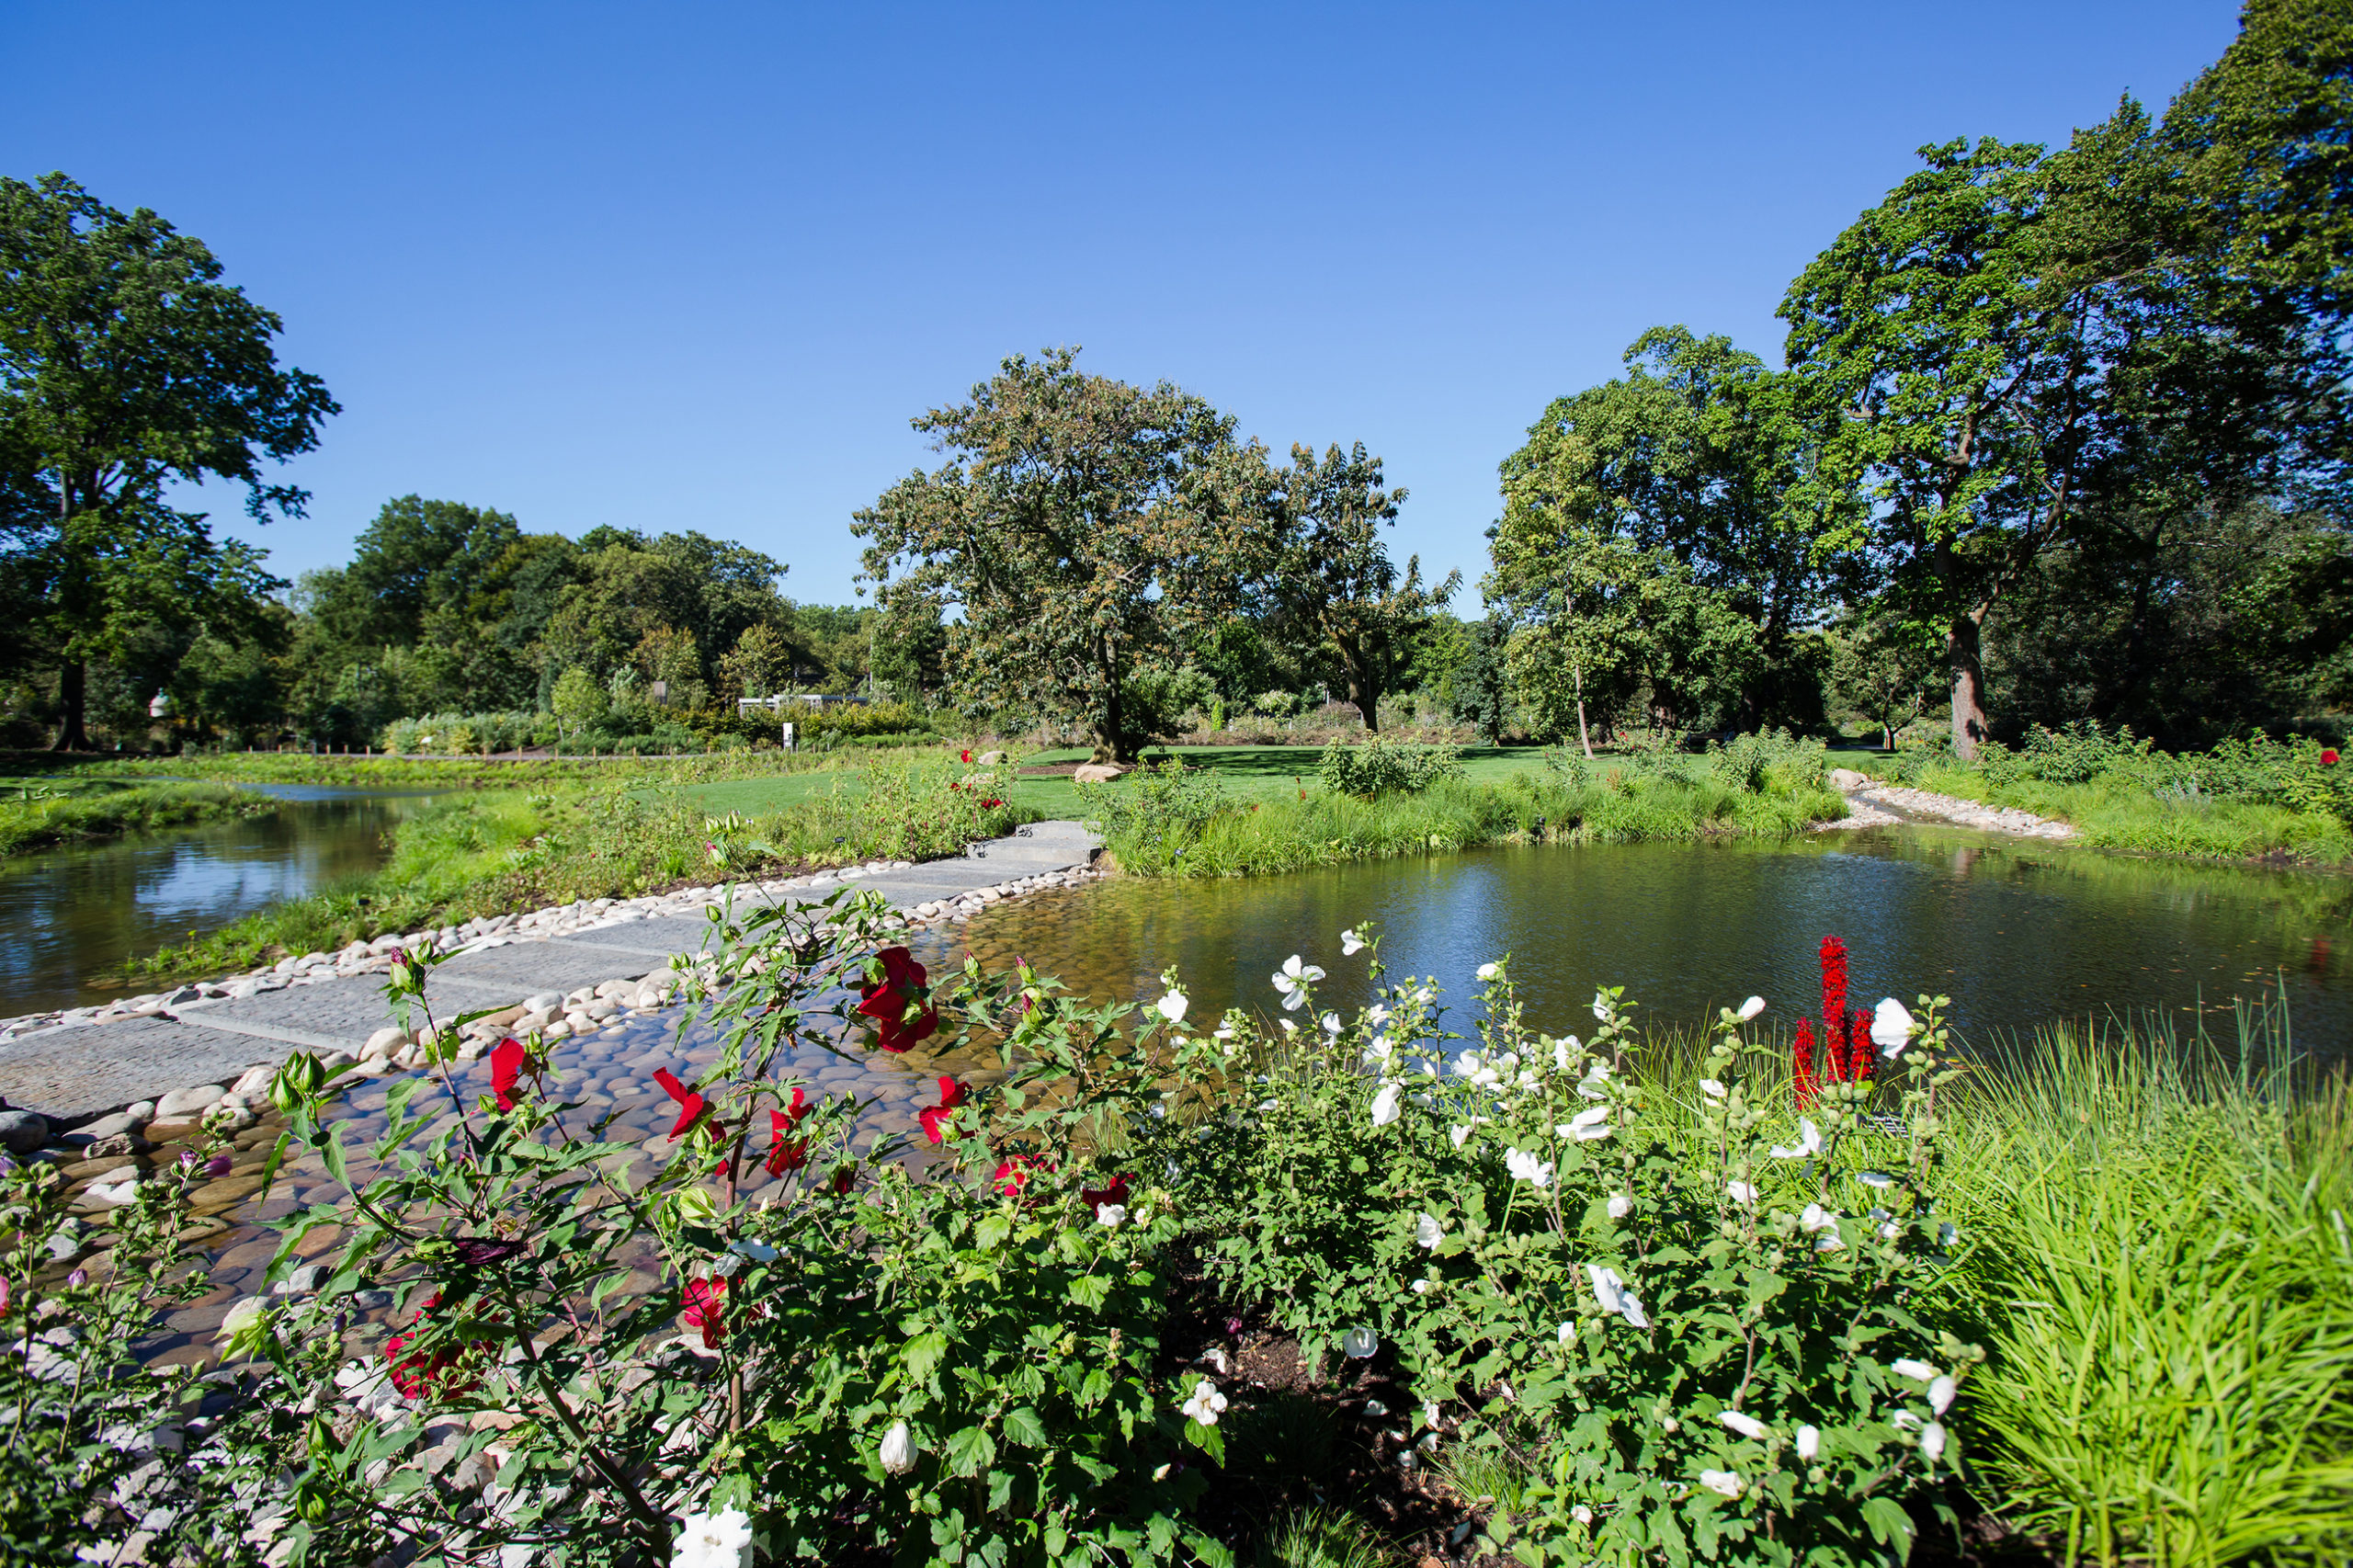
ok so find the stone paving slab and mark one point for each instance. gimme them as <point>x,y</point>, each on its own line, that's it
<point>73,1072</point>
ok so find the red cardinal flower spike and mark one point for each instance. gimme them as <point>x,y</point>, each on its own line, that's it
<point>706,1307</point>
<point>1802,1063</point>
<point>934,1117</point>
<point>507,1060</point>
<point>904,982</point>
<point>690,1104</point>
<point>786,1153</point>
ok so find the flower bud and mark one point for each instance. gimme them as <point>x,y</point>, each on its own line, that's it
<point>898,1450</point>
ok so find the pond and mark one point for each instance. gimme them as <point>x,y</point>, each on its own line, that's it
<point>70,916</point>
<point>2016,932</point>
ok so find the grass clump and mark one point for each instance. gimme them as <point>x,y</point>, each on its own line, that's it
<point>38,816</point>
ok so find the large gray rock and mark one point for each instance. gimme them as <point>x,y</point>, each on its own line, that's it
<point>188,1101</point>
<point>23,1130</point>
<point>1847,778</point>
<point>1099,772</point>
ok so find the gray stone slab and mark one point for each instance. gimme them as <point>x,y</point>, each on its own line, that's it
<point>528,967</point>
<point>347,1009</point>
<point>74,1073</point>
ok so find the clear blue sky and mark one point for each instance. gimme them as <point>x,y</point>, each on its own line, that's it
<point>695,264</point>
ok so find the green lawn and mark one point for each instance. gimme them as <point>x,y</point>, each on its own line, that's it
<point>1249,772</point>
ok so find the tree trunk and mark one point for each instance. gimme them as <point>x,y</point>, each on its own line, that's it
<point>1363,690</point>
<point>1110,729</point>
<point>1583,739</point>
<point>1962,645</point>
<point>72,688</point>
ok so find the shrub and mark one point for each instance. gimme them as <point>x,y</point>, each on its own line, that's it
<point>466,735</point>
<point>1379,765</point>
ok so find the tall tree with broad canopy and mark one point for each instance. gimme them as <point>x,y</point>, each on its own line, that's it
<point>2019,346</point>
<point>1330,577</point>
<point>126,365</point>
<point>1080,527</point>
<point>1649,541</point>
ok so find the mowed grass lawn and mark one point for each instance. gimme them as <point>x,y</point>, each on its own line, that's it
<point>1246,772</point>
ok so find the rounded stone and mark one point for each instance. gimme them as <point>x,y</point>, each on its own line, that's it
<point>181,1102</point>
<point>23,1130</point>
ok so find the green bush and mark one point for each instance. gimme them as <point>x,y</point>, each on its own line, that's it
<point>1379,765</point>
<point>467,734</point>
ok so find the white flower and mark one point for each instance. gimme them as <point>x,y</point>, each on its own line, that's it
<point>1591,1123</point>
<point>1932,1441</point>
<point>1747,1426</point>
<point>1490,970</point>
<point>1377,1015</point>
<point>1331,1022</point>
<point>1378,1050</point>
<point>1172,1006</point>
<point>1359,1342</point>
<point>1947,1233</point>
<point>1818,1218</point>
<point>1561,1049</point>
<point>1375,1409</point>
<point>1829,1241</point>
<point>1918,1370</point>
<point>898,1450</point>
<point>1111,1216</point>
<point>1875,1178</point>
<point>758,1252</point>
<point>714,1540</point>
<point>1809,1442</point>
<point>1601,1007</point>
<point>1350,943</point>
<point>1711,1088</point>
<point>1384,1105</point>
<point>1891,1028</point>
<point>1751,1008</point>
<point>1620,1205</point>
<point>1293,979</point>
<point>1224,1031</point>
<point>1568,1331</point>
<point>1616,1296</point>
<point>1940,1395</point>
<point>1421,1287</point>
<point>1809,1142</point>
<point>1206,1405</point>
<point>1429,1442</point>
<point>1176,1171</point>
<point>1429,1413</point>
<point>1427,1231</point>
<point>1458,1134</point>
<point>1740,1191</point>
<point>1525,1166</point>
<point>1904,1421</point>
<point>1581,1514</point>
<point>1723,1481</point>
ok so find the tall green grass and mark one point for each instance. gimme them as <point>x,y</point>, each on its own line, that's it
<point>28,822</point>
<point>2122,813</point>
<point>2155,1256</point>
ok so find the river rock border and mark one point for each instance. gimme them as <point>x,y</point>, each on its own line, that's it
<point>1871,803</point>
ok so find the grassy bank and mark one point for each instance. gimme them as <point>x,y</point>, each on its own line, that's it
<point>35,815</point>
<point>500,851</point>
<point>1179,819</point>
<point>471,772</point>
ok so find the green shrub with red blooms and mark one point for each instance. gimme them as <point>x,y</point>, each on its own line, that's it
<point>950,1357</point>
<point>1654,1321</point>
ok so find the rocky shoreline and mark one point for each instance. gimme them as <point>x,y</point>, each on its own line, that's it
<point>1871,803</point>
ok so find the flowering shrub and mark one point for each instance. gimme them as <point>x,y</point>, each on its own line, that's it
<point>1377,765</point>
<point>1679,1328</point>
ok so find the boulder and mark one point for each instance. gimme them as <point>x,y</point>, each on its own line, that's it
<point>254,1083</point>
<point>991,758</point>
<point>22,1131</point>
<point>1100,772</point>
<point>384,1042</point>
<point>186,1102</point>
<point>1847,778</point>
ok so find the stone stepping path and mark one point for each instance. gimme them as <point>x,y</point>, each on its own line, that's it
<point>73,1072</point>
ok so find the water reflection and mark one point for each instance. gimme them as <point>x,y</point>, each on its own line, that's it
<point>2018,932</point>
<point>68,916</point>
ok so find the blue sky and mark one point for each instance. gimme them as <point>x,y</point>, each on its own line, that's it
<point>695,264</point>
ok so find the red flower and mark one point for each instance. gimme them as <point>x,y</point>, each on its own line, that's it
<point>991,805</point>
<point>888,1000</point>
<point>965,756</point>
<point>706,1310</point>
<point>507,1060</point>
<point>690,1104</point>
<point>1116,1191</point>
<point>1802,1063</point>
<point>789,1153</point>
<point>1859,1052</point>
<point>1013,1175</point>
<point>952,1093</point>
<point>2328,757</point>
<point>419,1375</point>
<point>843,1177</point>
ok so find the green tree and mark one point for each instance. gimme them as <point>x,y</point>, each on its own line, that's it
<point>760,664</point>
<point>1886,670</point>
<point>579,700</point>
<point>1079,527</point>
<point>126,366</point>
<point>1330,577</point>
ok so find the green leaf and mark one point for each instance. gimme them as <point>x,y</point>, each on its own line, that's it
<point>923,1353</point>
<point>1090,1290</point>
<point>1889,1524</point>
<point>1023,1425</point>
<point>971,1452</point>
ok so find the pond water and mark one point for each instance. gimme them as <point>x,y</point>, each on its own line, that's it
<point>70,916</point>
<point>2016,932</point>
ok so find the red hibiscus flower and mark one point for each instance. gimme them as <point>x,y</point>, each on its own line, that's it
<point>843,1177</point>
<point>2328,757</point>
<point>1116,1191</point>
<point>690,1104</point>
<point>706,1307</point>
<point>905,983</point>
<point>417,1376</point>
<point>1012,1175</point>
<point>789,1153</point>
<point>991,805</point>
<point>507,1060</point>
<point>965,756</point>
<point>952,1093</point>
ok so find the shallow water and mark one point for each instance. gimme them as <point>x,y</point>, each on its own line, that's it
<point>2019,933</point>
<point>70,916</point>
